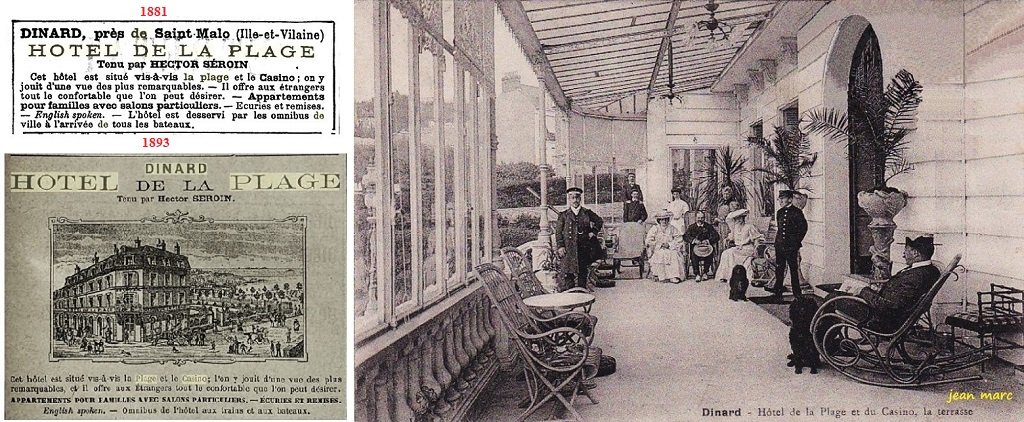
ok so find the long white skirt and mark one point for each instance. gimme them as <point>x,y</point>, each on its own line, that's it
<point>665,264</point>
<point>736,255</point>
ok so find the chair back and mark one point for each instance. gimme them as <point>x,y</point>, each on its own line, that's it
<point>924,304</point>
<point>503,295</point>
<point>521,269</point>
<point>630,240</point>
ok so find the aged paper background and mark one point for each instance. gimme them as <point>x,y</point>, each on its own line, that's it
<point>27,298</point>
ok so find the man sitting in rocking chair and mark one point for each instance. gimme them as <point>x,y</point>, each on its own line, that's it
<point>890,306</point>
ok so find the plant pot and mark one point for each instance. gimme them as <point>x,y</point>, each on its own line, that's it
<point>882,205</point>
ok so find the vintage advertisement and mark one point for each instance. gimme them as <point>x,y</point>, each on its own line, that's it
<point>175,287</point>
<point>173,76</point>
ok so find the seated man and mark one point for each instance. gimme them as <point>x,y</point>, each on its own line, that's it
<point>889,307</point>
<point>704,235</point>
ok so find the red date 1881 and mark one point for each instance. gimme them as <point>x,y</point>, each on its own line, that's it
<point>153,11</point>
<point>156,142</point>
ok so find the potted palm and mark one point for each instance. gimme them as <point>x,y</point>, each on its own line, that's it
<point>789,158</point>
<point>882,142</point>
<point>725,179</point>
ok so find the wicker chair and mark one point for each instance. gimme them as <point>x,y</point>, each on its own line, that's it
<point>555,360</point>
<point>913,355</point>
<point>525,278</point>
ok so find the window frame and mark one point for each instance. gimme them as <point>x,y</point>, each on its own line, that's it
<point>472,159</point>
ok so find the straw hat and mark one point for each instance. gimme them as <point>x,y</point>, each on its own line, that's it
<point>663,215</point>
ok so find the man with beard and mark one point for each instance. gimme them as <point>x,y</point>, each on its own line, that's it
<point>704,235</point>
<point>576,239</point>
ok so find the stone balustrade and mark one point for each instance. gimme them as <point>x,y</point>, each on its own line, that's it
<point>433,366</point>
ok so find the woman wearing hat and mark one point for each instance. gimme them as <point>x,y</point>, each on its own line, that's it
<point>663,242</point>
<point>743,236</point>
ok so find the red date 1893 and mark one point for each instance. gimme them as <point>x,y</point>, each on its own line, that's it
<point>156,142</point>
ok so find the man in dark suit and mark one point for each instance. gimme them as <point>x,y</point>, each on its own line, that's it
<point>792,227</point>
<point>576,239</point>
<point>633,210</point>
<point>630,187</point>
<point>698,232</point>
<point>891,305</point>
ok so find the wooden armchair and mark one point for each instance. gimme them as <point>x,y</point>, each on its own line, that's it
<point>554,359</point>
<point>912,355</point>
<point>999,312</point>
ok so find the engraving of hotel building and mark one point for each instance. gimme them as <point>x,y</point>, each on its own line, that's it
<point>139,293</point>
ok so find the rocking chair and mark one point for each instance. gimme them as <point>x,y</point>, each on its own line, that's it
<point>911,356</point>
<point>555,360</point>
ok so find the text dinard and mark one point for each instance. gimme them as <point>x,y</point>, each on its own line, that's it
<point>144,48</point>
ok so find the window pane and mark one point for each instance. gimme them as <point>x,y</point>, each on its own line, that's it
<point>467,165</point>
<point>402,241</point>
<point>428,172</point>
<point>483,148</point>
<point>451,138</point>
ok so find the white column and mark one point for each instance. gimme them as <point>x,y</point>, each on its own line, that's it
<point>542,162</point>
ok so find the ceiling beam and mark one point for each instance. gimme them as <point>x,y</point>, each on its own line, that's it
<point>596,12</point>
<point>569,86</point>
<point>666,39</point>
<point>563,6</point>
<point>633,66</point>
<point>649,34</point>
<point>682,78</point>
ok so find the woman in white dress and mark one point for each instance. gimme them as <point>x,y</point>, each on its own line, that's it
<point>743,236</point>
<point>663,242</point>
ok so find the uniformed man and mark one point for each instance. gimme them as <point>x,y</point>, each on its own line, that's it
<point>792,226</point>
<point>576,239</point>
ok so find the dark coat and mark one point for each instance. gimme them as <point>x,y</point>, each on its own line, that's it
<point>895,301</point>
<point>571,233</point>
<point>792,228</point>
<point>634,212</point>
<point>705,232</point>
<point>628,191</point>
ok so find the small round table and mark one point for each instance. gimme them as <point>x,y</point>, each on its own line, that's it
<point>560,301</point>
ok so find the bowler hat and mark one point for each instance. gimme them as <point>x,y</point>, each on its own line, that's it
<point>924,244</point>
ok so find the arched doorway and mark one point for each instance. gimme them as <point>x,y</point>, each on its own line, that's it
<point>866,105</point>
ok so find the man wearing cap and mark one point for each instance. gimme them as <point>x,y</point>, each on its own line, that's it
<point>576,239</point>
<point>792,226</point>
<point>678,207</point>
<point>891,305</point>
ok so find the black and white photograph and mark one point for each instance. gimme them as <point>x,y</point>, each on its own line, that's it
<point>685,210</point>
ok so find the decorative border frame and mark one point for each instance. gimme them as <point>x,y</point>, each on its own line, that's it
<point>181,217</point>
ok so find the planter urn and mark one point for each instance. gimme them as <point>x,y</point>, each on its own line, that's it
<point>882,205</point>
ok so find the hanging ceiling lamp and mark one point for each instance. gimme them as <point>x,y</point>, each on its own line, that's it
<point>718,31</point>
<point>671,96</point>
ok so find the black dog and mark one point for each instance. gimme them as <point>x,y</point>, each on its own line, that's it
<point>801,311</point>
<point>738,283</point>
